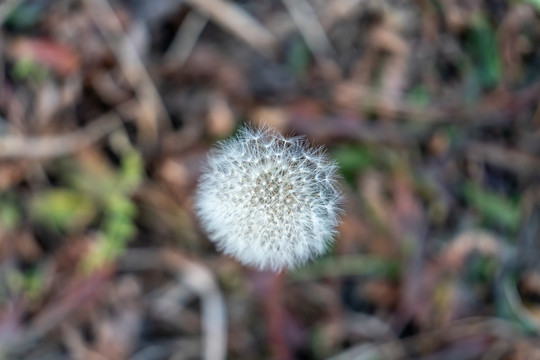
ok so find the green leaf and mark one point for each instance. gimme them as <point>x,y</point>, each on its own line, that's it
<point>361,265</point>
<point>119,228</point>
<point>493,207</point>
<point>131,170</point>
<point>420,96</point>
<point>120,205</point>
<point>298,57</point>
<point>30,283</point>
<point>9,214</point>
<point>353,159</point>
<point>63,209</point>
<point>480,269</point>
<point>481,43</point>
<point>28,70</point>
<point>33,284</point>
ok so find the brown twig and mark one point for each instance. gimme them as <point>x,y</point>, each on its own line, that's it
<point>335,10</point>
<point>186,38</point>
<point>490,110</point>
<point>240,23</point>
<point>512,160</point>
<point>152,109</point>
<point>309,26</point>
<point>462,329</point>
<point>58,145</point>
<point>199,279</point>
<point>60,309</point>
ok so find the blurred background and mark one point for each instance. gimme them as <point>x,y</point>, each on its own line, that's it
<point>107,112</point>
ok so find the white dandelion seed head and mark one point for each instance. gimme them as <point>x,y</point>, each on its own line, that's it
<point>270,202</point>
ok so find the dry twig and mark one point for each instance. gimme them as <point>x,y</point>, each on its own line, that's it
<point>240,23</point>
<point>309,26</point>
<point>51,316</point>
<point>200,281</point>
<point>512,160</point>
<point>186,38</point>
<point>334,11</point>
<point>58,145</point>
<point>396,349</point>
<point>487,111</point>
<point>151,108</point>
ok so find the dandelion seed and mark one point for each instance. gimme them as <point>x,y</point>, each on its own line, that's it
<point>246,220</point>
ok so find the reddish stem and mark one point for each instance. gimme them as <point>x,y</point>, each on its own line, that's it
<point>275,316</point>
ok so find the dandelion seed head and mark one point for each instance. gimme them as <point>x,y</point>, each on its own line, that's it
<point>270,202</point>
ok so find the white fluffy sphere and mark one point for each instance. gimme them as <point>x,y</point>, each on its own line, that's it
<point>270,202</point>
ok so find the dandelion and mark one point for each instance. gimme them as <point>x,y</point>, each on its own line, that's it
<point>269,201</point>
